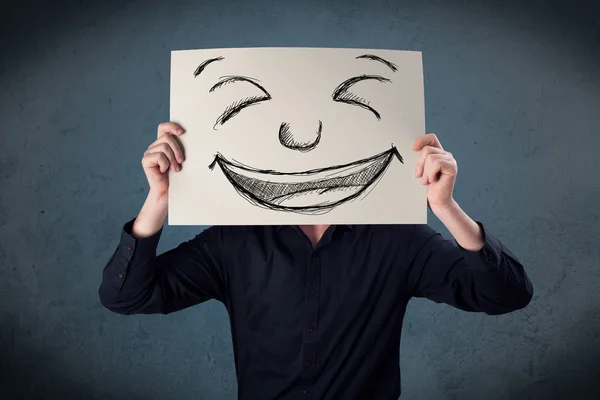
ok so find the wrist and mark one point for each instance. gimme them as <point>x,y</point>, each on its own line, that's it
<point>158,197</point>
<point>465,230</point>
<point>444,210</point>
<point>151,217</point>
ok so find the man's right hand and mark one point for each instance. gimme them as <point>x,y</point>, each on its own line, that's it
<point>163,154</point>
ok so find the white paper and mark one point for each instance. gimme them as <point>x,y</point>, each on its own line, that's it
<point>282,136</point>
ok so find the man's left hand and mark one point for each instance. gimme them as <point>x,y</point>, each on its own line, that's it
<point>437,170</point>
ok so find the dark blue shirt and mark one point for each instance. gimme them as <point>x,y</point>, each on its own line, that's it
<point>314,323</point>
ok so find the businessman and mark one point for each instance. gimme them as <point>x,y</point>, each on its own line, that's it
<point>316,311</point>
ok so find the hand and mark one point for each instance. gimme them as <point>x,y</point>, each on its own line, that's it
<point>163,154</point>
<point>437,169</point>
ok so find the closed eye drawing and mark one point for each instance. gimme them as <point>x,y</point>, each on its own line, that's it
<point>234,108</point>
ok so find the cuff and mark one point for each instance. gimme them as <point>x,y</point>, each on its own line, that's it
<point>131,246</point>
<point>490,254</point>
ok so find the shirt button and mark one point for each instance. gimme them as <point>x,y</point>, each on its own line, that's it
<point>310,329</point>
<point>312,292</point>
<point>120,275</point>
<point>307,364</point>
<point>129,247</point>
<point>303,391</point>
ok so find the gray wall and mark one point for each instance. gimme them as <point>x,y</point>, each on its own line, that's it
<point>513,91</point>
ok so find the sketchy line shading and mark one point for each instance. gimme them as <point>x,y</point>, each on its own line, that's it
<point>283,191</point>
<point>373,57</point>
<point>233,109</point>
<point>343,95</point>
<point>224,80</point>
<point>201,67</point>
<point>286,138</point>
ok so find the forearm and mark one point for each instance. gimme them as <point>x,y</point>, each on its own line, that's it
<point>465,230</point>
<point>500,282</point>
<point>137,281</point>
<point>128,279</point>
<point>491,280</point>
<point>151,217</point>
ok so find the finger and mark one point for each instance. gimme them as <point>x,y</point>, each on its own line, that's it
<point>175,147</point>
<point>152,160</point>
<point>438,164</point>
<point>165,148</point>
<point>427,140</point>
<point>425,152</point>
<point>169,127</point>
<point>173,143</point>
<point>434,167</point>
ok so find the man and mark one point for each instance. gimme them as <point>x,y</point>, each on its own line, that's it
<point>316,311</point>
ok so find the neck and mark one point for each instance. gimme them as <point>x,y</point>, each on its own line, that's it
<point>314,232</point>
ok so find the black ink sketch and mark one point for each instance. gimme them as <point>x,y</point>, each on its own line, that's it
<point>315,191</point>
<point>392,66</point>
<point>276,190</point>
<point>201,67</point>
<point>287,139</point>
<point>234,108</point>
<point>343,95</point>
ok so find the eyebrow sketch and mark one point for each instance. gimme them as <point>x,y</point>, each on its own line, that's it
<point>312,192</point>
<point>342,95</point>
<point>233,109</point>
<point>201,67</point>
<point>373,57</point>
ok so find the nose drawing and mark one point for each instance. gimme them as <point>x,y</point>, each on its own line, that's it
<point>300,141</point>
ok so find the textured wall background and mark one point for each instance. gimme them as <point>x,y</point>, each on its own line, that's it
<point>512,90</point>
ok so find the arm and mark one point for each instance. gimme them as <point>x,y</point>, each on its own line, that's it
<point>136,281</point>
<point>478,273</point>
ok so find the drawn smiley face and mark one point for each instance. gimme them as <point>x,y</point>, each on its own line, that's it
<point>308,191</point>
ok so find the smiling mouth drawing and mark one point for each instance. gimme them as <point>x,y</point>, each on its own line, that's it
<point>315,191</point>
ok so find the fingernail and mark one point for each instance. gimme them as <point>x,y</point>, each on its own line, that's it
<point>179,160</point>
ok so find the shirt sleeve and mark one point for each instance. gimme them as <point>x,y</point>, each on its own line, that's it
<point>491,280</point>
<point>136,281</point>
